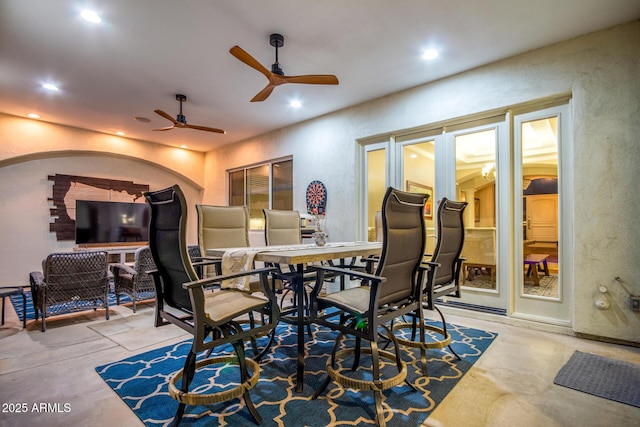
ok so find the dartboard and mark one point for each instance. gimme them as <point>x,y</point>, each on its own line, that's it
<point>316,196</point>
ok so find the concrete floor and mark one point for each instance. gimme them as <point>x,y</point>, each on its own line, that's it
<point>510,385</point>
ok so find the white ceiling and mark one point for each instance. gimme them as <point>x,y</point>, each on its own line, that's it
<point>146,51</point>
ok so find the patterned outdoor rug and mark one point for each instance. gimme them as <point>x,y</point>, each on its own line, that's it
<point>16,300</point>
<point>141,382</point>
<point>600,376</point>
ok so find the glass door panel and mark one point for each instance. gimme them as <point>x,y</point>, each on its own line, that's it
<point>376,162</point>
<point>539,139</point>
<point>418,171</point>
<point>476,184</point>
<point>478,175</point>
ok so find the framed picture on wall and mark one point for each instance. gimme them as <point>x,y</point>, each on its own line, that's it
<point>414,187</point>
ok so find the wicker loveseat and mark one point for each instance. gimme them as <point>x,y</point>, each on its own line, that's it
<point>70,281</point>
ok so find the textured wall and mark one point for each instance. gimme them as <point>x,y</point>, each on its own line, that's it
<point>601,70</point>
<point>25,210</point>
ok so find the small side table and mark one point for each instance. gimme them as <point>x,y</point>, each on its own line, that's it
<point>14,290</point>
<point>533,262</point>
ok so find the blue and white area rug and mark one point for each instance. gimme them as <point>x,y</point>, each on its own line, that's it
<point>141,382</point>
<point>16,300</point>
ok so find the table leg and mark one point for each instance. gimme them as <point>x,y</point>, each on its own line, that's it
<point>24,310</point>
<point>298,285</point>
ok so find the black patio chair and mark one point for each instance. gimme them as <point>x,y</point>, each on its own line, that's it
<point>443,279</point>
<point>195,306</point>
<point>395,290</point>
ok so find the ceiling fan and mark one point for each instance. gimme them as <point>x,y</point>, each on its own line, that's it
<point>276,75</point>
<point>181,121</point>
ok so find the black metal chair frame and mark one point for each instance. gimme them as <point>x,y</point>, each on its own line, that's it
<point>443,279</point>
<point>181,297</point>
<point>365,311</point>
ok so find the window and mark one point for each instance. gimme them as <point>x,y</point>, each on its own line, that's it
<point>265,186</point>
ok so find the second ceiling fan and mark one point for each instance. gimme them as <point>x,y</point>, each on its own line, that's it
<point>276,76</point>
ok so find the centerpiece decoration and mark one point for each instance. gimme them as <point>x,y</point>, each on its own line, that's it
<point>319,235</point>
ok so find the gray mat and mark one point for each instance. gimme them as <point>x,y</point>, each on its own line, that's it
<point>612,379</point>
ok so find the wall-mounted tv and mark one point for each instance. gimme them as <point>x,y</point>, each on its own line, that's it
<point>111,222</point>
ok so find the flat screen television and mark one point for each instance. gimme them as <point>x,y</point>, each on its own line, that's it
<point>111,222</point>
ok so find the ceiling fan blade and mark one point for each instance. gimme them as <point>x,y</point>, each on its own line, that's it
<point>204,128</point>
<point>243,56</point>
<point>167,128</point>
<point>166,116</point>
<point>264,93</point>
<point>317,79</point>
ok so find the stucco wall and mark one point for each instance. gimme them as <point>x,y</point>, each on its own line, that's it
<point>601,70</point>
<point>24,229</point>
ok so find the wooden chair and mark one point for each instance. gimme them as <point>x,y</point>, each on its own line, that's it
<point>189,303</point>
<point>395,290</point>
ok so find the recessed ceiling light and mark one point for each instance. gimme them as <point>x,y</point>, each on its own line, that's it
<point>91,16</point>
<point>413,156</point>
<point>183,146</point>
<point>120,133</point>
<point>430,54</point>
<point>295,104</point>
<point>49,86</point>
<point>141,119</point>
<point>33,116</point>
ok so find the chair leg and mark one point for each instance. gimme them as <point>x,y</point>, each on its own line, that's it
<point>272,337</point>
<point>332,360</point>
<point>356,355</point>
<point>239,349</point>
<point>377,393</point>
<point>444,328</point>
<point>188,373</point>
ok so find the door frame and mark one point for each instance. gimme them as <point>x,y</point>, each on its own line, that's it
<point>556,311</point>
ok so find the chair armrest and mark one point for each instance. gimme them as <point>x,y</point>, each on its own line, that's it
<point>122,268</point>
<point>206,261</point>
<point>218,279</point>
<point>373,279</point>
<point>36,278</point>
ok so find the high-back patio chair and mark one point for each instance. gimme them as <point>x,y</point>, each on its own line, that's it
<point>212,317</point>
<point>222,227</point>
<point>70,281</point>
<point>395,290</point>
<point>443,278</point>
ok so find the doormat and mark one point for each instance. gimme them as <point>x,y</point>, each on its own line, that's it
<point>600,376</point>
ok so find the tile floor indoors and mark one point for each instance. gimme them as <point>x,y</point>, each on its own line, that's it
<point>510,385</point>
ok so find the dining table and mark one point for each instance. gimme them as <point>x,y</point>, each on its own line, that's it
<point>299,256</point>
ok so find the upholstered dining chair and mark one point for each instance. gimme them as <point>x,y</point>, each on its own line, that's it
<point>282,227</point>
<point>227,227</point>
<point>134,280</point>
<point>443,279</point>
<point>211,316</point>
<point>395,290</point>
<point>70,281</point>
<point>222,227</point>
